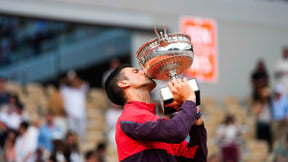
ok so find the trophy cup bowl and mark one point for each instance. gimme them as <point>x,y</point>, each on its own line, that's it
<point>168,56</point>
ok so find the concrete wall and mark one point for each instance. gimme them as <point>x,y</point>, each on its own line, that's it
<point>247,29</point>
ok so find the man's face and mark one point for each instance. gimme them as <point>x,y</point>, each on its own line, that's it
<point>137,78</point>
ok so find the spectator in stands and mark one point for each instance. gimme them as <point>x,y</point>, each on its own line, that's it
<point>9,151</point>
<point>74,95</point>
<point>262,111</point>
<point>47,133</point>
<point>4,95</point>
<point>259,78</point>
<point>40,155</point>
<point>13,113</point>
<point>281,152</point>
<point>71,142</point>
<point>101,152</point>
<point>60,152</point>
<point>112,115</point>
<point>281,70</point>
<point>55,105</point>
<point>280,112</point>
<point>90,156</point>
<point>229,134</point>
<point>26,143</point>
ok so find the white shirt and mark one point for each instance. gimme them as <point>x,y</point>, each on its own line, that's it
<point>75,100</point>
<point>228,134</point>
<point>26,144</point>
<point>13,119</point>
<point>265,115</point>
<point>76,157</point>
<point>282,66</point>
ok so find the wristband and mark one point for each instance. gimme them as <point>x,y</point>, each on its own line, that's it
<point>199,115</point>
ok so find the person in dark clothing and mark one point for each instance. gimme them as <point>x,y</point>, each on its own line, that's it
<point>143,136</point>
<point>71,142</point>
<point>263,113</point>
<point>60,152</point>
<point>90,156</point>
<point>259,78</point>
<point>100,151</point>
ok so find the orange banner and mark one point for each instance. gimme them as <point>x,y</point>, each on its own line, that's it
<point>203,35</point>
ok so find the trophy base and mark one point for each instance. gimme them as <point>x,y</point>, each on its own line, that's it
<point>166,96</point>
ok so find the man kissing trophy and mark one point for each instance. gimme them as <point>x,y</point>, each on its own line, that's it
<point>166,57</point>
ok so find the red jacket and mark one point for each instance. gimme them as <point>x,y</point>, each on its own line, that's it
<point>143,136</point>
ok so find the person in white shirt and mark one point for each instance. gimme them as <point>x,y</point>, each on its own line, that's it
<point>281,70</point>
<point>26,143</point>
<point>12,114</point>
<point>71,141</point>
<point>229,134</point>
<point>74,96</point>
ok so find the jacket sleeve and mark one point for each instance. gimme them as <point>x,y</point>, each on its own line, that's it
<point>174,130</point>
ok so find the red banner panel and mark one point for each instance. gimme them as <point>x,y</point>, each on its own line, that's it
<point>203,33</point>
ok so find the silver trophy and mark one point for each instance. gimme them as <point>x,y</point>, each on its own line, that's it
<point>168,56</point>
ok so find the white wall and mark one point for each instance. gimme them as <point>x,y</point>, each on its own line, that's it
<point>247,29</point>
<point>240,46</point>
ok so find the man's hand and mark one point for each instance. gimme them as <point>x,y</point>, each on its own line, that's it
<point>181,91</point>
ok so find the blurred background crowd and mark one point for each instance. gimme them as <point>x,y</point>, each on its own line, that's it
<point>52,68</point>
